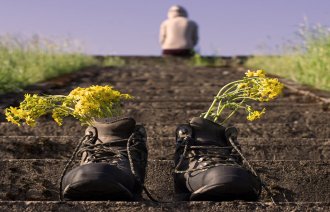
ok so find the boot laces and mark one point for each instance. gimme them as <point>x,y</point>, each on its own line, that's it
<point>101,152</point>
<point>214,155</point>
<point>211,156</point>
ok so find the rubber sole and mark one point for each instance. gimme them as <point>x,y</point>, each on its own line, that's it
<point>224,192</point>
<point>100,188</point>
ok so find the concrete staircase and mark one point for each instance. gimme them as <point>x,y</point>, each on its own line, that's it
<point>289,147</point>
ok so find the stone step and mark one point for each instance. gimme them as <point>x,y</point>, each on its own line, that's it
<point>203,92</point>
<point>254,130</point>
<point>80,206</point>
<point>164,76</point>
<point>257,149</point>
<point>250,130</point>
<point>160,78</point>
<point>303,181</point>
<point>277,115</point>
<point>209,99</point>
<point>61,147</point>
<point>173,104</point>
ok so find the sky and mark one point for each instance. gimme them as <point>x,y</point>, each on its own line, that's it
<point>131,27</point>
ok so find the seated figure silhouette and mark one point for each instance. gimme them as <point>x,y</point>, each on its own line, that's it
<point>178,34</point>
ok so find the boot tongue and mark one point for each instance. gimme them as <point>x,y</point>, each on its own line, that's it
<point>207,132</point>
<point>110,130</point>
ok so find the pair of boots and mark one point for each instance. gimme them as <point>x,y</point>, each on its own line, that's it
<point>114,159</point>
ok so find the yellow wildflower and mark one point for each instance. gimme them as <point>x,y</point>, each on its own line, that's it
<point>249,73</point>
<point>30,121</point>
<point>253,115</point>
<point>259,73</point>
<point>11,118</point>
<point>242,85</point>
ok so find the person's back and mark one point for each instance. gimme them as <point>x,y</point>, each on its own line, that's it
<point>178,34</point>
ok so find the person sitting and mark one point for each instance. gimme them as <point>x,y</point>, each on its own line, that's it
<point>178,34</point>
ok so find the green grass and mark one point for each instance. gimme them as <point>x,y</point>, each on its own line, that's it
<point>24,61</point>
<point>113,61</point>
<point>199,61</point>
<point>306,62</point>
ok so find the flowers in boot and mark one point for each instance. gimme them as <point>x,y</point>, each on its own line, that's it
<point>84,104</point>
<point>255,86</point>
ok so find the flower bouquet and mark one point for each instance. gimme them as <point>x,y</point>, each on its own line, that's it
<point>84,104</point>
<point>255,86</point>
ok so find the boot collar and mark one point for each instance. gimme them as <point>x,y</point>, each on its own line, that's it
<point>207,132</point>
<point>112,129</point>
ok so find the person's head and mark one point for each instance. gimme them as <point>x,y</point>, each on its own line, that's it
<point>177,10</point>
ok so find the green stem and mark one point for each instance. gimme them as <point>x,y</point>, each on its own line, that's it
<point>233,112</point>
<point>218,96</point>
<point>224,95</point>
<point>219,105</point>
<point>52,96</point>
<point>219,112</point>
<point>244,97</point>
<point>226,92</point>
<point>69,108</point>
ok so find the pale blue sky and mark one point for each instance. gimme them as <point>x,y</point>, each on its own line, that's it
<point>131,27</point>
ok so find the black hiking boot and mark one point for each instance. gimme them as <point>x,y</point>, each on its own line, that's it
<point>113,163</point>
<point>208,168</point>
